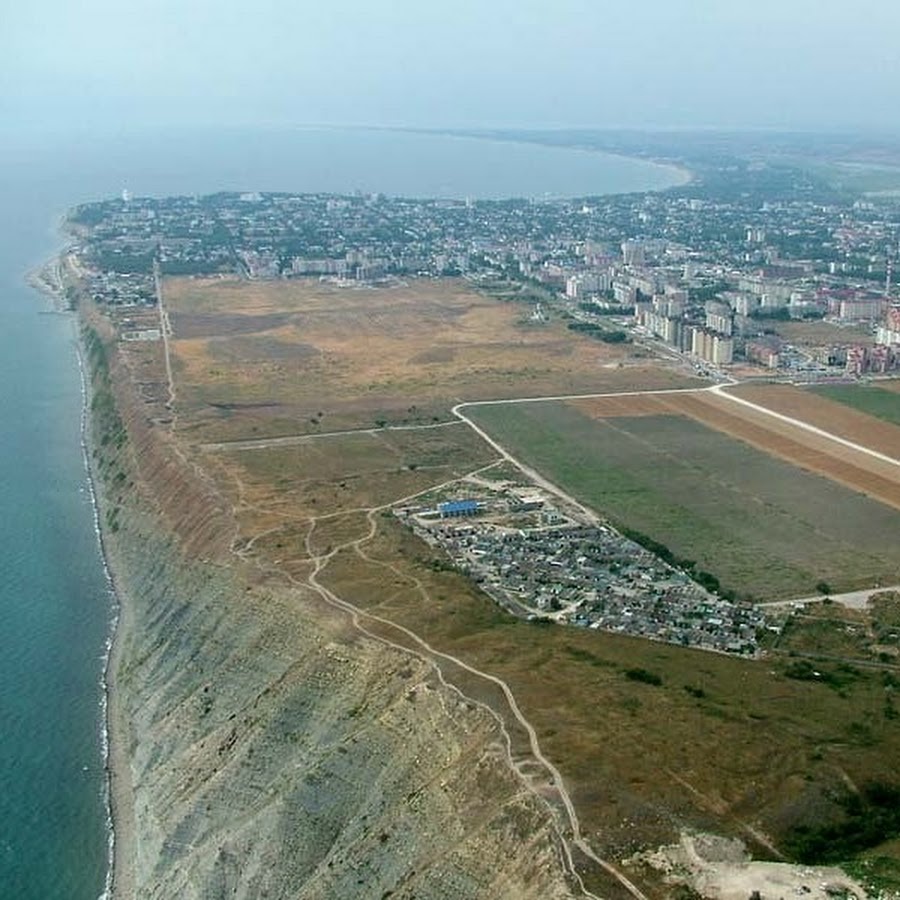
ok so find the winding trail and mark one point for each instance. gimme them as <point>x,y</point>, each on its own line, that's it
<point>426,651</point>
<point>569,828</point>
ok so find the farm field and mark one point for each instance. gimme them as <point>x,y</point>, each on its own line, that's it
<point>765,528</point>
<point>878,401</point>
<point>820,408</point>
<point>271,358</point>
<point>858,471</point>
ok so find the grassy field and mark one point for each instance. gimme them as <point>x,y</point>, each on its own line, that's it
<point>870,399</point>
<point>816,333</point>
<point>765,528</point>
<point>733,746</point>
<point>718,743</point>
<point>270,358</point>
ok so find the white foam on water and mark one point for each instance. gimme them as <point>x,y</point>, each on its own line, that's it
<point>111,631</point>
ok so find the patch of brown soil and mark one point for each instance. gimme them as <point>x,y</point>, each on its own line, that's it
<point>829,415</point>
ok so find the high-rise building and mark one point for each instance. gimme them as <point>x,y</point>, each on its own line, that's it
<point>632,253</point>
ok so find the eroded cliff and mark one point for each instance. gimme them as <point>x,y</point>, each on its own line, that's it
<point>265,746</point>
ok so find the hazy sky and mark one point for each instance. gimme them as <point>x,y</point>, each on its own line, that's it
<point>591,63</point>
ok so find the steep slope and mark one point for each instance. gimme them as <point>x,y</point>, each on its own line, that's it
<point>262,746</point>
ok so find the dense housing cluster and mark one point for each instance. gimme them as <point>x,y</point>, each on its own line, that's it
<point>545,565</point>
<point>704,273</point>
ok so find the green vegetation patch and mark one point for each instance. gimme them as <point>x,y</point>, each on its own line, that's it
<point>880,874</point>
<point>869,818</point>
<point>757,526</point>
<point>645,676</point>
<point>874,401</point>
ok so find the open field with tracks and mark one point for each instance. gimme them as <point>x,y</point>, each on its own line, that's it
<point>299,356</point>
<point>266,374</point>
<point>811,452</point>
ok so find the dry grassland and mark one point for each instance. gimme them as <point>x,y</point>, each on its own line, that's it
<point>721,744</point>
<point>298,356</point>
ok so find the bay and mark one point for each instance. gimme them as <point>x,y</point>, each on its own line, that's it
<point>55,606</point>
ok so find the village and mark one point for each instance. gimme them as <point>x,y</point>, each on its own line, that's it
<point>547,565</point>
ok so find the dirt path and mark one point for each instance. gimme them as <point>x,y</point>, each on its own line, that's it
<point>852,599</point>
<point>569,828</point>
<point>408,641</point>
<point>165,329</point>
<point>292,440</point>
<point>430,654</point>
<point>721,390</point>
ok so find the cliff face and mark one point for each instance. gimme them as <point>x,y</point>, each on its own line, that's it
<point>267,748</point>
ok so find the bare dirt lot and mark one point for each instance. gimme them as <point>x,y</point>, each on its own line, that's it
<point>300,356</point>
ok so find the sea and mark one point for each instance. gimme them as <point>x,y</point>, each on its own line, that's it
<point>56,606</point>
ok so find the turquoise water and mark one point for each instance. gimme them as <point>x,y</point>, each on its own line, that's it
<point>55,606</point>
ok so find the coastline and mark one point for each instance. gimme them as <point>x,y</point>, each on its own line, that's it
<point>119,797</point>
<point>685,174</point>
<point>47,280</point>
<point>108,747</point>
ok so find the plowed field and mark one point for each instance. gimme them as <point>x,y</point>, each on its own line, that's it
<point>829,415</point>
<point>811,452</point>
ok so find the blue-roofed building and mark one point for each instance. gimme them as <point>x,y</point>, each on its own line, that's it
<point>454,509</point>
